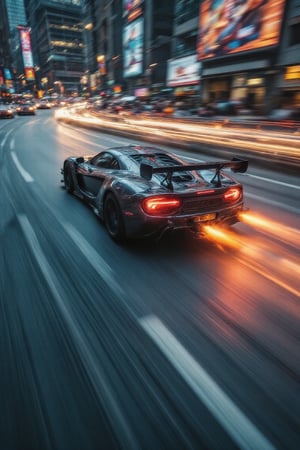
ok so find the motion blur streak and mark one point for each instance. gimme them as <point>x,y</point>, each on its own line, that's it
<point>278,230</point>
<point>241,138</point>
<point>221,406</point>
<point>259,257</point>
<point>93,368</point>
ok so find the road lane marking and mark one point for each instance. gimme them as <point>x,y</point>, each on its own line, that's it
<point>281,183</point>
<point>27,177</point>
<point>268,180</point>
<point>92,366</point>
<point>98,263</point>
<point>233,420</point>
<point>3,142</point>
<point>12,144</point>
<point>274,203</point>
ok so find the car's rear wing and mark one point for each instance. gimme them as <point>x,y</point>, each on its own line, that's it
<point>236,165</point>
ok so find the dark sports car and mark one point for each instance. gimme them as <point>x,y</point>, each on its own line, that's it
<point>142,192</point>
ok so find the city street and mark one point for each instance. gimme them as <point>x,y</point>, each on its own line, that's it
<point>175,344</point>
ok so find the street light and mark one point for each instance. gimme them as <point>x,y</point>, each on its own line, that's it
<point>89,26</point>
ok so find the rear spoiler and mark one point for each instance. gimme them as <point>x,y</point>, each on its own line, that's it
<point>236,165</point>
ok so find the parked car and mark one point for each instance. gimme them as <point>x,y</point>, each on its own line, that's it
<point>142,192</point>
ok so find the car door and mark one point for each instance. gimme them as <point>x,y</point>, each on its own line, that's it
<point>97,170</point>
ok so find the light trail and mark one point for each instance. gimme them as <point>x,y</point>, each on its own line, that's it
<point>272,228</point>
<point>265,142</point>
<point>283,271</point>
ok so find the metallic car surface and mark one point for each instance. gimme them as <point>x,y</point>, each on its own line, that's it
<point>141,191</point>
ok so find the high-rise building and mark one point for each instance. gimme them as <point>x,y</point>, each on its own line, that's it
<point>15,13</point>
<point>59,48</point>
<point>133,44</point>
<point>183,69</point>
<point>12,13</point>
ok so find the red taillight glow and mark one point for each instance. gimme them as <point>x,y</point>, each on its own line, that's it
<point>210,191</point>
<point>232,195</point>
<point>156,206</point>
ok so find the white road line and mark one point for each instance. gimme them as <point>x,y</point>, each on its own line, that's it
<point>12,144</point>
<point>233,420</point>
<point>6,137</point>
<point>27,177</point>
<point>98,263</point>
<point>91,134</point>
<point>268,180</point>
<point>281,183</point>
<point>269,202</point>
<point>91,364</point>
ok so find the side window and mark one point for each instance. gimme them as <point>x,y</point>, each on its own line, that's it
<point>106,160</point>
<point>115,164</point>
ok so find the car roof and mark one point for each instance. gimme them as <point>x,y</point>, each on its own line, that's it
<point>138,154</point>
<point>135,150</point>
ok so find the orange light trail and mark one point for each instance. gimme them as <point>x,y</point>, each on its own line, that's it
<point>278,230</point>
<point>221,236</point>
<point>260,140</point>
<point>282,271</point>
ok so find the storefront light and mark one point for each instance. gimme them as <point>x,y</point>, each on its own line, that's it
<point>292,73</point>
<point>255,82</point>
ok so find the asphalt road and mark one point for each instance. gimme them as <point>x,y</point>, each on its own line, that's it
<point>180,344</point>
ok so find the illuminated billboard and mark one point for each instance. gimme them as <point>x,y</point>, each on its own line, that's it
<point>26,52</point>
<point>231,26</point>
<point>132,9</point>
<point>183,71</point>
<point>133,36</point>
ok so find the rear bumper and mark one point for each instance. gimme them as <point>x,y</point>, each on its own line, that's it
<point>146,226</point>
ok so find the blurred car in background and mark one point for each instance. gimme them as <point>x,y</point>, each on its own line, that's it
<point>205,111</point>
<point>6,111</point>
<point>285,114</point>
<point>223,108</point>
<point>227,108</point>
<point>43,104</point>
<point>26,109</point>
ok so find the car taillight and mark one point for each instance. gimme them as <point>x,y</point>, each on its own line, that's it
<point>233,194</point>
<point>156,206</point>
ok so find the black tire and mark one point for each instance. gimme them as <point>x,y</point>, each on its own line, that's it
<point>68,180</point>
<point>113,219</point>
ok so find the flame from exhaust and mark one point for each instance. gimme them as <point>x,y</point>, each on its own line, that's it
<point>258,258</point>
<point>221,236</point>
<point>278,230</point>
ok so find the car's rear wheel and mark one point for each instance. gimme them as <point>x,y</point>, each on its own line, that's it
<point>113,218</point>
<point>68,180</point>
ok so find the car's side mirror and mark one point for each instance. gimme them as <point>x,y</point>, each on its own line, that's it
<point>79,160</point>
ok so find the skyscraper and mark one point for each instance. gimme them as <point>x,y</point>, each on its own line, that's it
<point>57,43</point>
<point>12,14</point>
<point>15,14</point>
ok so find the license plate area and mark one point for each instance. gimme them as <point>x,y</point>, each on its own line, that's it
<point>204,218</point>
